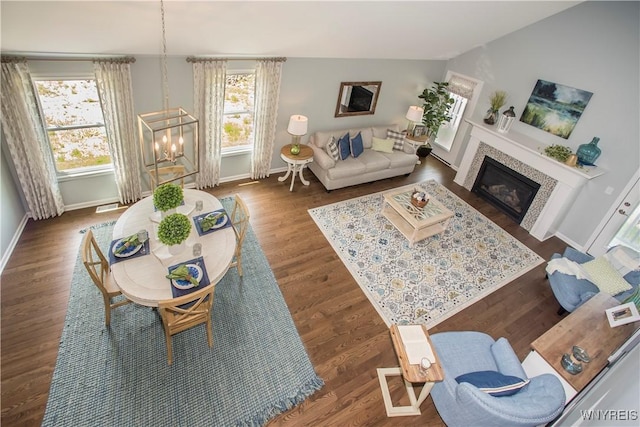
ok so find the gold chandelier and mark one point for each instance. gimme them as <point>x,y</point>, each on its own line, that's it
<point>169,137</point>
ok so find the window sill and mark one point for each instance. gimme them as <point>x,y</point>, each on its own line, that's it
<point>237,152</point>
<point>84,174</point>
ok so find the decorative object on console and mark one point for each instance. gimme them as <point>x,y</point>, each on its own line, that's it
<point>168,136</point>
<point>572,160</point>
<point>588,153</point>
<point>497,100</point>
<point>555,108</point>
<point>297,127</point>
<point>622,314</point>
<point>357,98</point>
<point>506,120</point>
<point>436,107</point>
<point>414,115</point>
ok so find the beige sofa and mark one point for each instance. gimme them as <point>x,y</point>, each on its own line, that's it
<point>370,166</point>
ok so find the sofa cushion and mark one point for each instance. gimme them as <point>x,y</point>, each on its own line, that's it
<point>366,135</point>
<point>332,148</point>
<point>356,145</point>
<point>398,139</point>
<point>381,131</point>
<point>384,145</point>
<point>493,382</point>
<point>400,159</point>
<point>320,139</point>
<point>605,277</point>
<point>374,161</point>
<point>346,168</point>
<point>344,146</point>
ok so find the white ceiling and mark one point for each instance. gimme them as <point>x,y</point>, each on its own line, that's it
<point>320,29</point>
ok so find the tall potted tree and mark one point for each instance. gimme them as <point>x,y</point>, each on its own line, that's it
<point>436,103</point>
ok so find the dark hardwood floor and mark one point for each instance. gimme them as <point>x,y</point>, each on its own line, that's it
<point>345,337</point>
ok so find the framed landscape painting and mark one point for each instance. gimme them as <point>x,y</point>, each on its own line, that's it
<point>555,108</point>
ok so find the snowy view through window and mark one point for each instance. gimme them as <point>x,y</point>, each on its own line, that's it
<point>75,124</point>
<point>238,111</point>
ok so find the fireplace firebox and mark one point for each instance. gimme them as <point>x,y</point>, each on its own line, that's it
<point>504,188</point>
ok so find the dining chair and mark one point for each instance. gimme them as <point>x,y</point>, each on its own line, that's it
<point>167,173</point>
<point>240,223</point>
<point>182,313</point>
<point>98,268</point>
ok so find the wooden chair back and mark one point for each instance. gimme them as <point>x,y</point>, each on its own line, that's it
<point>167,174</point>
<point>97,266</point>
<point>182,313</point>
<point>240,222</point>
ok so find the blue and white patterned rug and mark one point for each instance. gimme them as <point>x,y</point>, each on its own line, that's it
<point>440,275</point>
<point>119,376</point>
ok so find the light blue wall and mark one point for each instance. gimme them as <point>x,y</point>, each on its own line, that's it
<point>11,207</point>
<point>593,46</point>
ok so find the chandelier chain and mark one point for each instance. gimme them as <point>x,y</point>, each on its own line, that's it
<point>165,79</point>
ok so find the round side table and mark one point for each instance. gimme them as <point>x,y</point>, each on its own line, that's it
<point>296,163</point>
<point>415,142</point>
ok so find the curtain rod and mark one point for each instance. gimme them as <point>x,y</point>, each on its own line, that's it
<point>18,58</point>
<point>275,59</point>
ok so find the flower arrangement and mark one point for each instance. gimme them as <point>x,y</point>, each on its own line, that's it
<point>174,229</point>
<point>559,152</point>
<point>498,99</point>
<point>167,196</point>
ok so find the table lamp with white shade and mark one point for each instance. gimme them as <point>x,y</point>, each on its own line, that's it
<point>414,115</point>
<point>297,127</point>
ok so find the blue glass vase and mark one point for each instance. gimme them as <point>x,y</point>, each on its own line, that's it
<point>588,153</point>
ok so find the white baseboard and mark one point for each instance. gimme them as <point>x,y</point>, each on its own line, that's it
<point>13,243</point>
<point>570,242</point>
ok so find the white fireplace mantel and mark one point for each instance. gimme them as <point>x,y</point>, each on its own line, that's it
<point>530,152</point>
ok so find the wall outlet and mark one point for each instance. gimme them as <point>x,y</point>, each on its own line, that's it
<point>608,191</point>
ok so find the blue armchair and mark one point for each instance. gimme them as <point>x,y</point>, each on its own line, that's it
<point>572,292</point>
<point>462,404</point>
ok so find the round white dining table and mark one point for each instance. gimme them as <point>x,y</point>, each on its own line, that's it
<point>143,279</point>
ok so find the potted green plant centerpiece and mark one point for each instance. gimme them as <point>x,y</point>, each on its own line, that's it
<point>173,230</point>
<point>167,196</point>
<point>436,104</point>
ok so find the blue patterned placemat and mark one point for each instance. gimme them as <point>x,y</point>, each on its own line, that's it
<point>198,219</point>
<point>203,282</point>
<point>144,250</point>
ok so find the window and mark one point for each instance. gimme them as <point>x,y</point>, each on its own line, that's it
<point>74,123</point>
<point>238,116</point>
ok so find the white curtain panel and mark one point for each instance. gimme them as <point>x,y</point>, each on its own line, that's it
<point>268,75</point>
<point>113,78</point>
<point>27,142</point>
<point>208,94</point>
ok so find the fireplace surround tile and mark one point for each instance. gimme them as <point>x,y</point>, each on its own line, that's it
<point>547,184</point>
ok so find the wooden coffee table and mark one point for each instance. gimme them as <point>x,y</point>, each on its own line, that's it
<point>415,223</point>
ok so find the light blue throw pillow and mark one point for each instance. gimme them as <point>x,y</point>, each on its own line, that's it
<point>356,145</point>
<point>344,146</point>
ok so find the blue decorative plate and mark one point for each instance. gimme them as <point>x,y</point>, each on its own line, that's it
<point>220,222</point>
<point>127,252</point>
<point>195,271</point>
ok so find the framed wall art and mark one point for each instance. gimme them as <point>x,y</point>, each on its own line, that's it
<point>555,108</point>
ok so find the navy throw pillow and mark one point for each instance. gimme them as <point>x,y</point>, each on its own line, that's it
<point>357,146</point>
<point>344,146</point>
<point>494,383</point>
